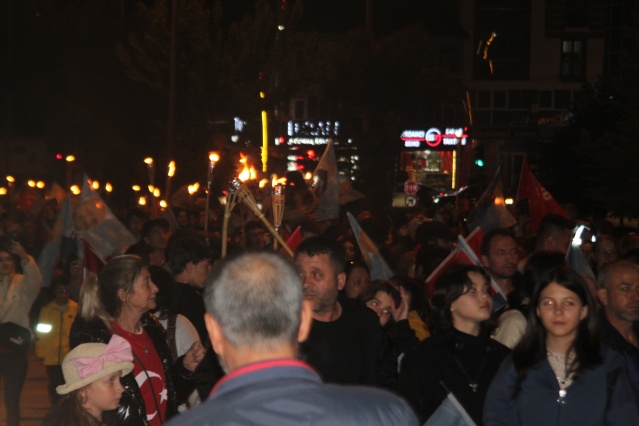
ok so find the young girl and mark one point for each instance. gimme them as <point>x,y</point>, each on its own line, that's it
<point>92,383</point>
<point>559,373</point>
<point>461,357</point>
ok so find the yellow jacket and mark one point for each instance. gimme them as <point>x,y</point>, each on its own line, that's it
<point>54,345</point>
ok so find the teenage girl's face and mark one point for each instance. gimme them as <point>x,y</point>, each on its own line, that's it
<point>383,305</point>
<point>560,311</point>
<point>103,394</point>
<point>474,305</point>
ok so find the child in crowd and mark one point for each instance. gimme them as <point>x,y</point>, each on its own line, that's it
<point>53,330</point>
<point>92,383</point>
<point>560,373</point>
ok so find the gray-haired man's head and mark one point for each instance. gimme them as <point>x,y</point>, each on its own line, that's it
<point>256,298</point>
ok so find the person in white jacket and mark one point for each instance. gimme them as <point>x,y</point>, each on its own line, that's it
<point>17,294</point>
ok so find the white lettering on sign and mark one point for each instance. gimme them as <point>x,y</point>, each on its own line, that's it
<point>413,135</point>
<point>435,137</point>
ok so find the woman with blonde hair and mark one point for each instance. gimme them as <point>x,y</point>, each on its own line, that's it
<point>119,302</point>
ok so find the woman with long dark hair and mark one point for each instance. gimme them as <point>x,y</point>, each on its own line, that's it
<point>560,373</point>
<point>461,358</point>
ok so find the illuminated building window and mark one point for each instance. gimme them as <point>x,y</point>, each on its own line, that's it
<point>572,59</point>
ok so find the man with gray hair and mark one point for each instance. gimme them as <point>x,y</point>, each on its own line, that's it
<point>619,296</point>
<point>256,316</point>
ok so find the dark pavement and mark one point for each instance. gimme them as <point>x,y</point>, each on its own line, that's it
<point>34,402</point>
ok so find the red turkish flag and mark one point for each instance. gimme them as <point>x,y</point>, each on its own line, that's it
<point>540,201</point>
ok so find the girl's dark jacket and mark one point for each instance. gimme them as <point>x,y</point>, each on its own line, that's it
<point>132,411</point>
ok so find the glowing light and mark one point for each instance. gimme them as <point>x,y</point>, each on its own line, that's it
<point>214,157</point>
<point>3,190</point>
<point>262,95</point>
<point>136,188</point>
<point>148,161</point>
<point>308,176</point>
<point>43,328</point>
<point>75,190</point>
<point>40,184</point>
<point>142,201</point>
<point>262,183</point>
<point>95,185</point>
<point>171,172</point>
<point>156,192</point>
<point>151,188</point>
<point>278,181</point>
<point>193,188</point>
<point>58,156</point>
<point>163,204</point>
<point>252,173</point>
<point>31,183</point>
<point>10,179</point>
<point>509,201</point>
<point>108,187</point>
<point>245,174</point>
<point>70,158</point>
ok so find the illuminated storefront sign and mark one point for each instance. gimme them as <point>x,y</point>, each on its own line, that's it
<point>434,137</point>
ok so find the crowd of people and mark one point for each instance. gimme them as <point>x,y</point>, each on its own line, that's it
<point>168,332</point>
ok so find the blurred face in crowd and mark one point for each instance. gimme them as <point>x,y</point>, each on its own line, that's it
<point>143,296</point>
<point>61,294</point>
<point>349,249</point>
<point>358,280</point>
<point>620,296</point>
<point>474,306</point>
<point>102,395</point>
<point>560,241</point>
<point>560,311</point>
<point>7,263</point>
<point>320,280</point>
<point>605,252</point>
<point>383,305</point>
<point>256,238</point>
<point>198,272</point>
<point>158,238</point>
<point>503,255</point>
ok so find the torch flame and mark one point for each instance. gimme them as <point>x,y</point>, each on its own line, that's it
<point>214,157</point>
<point>171,169</point>
<point>252,173</point>
<point>148,161</point>
<point>193,188</point>
<point>278,181</point>
<point>263,183</point>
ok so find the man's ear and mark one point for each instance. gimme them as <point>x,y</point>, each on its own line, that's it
<point>306,321</point>
<point>215,334</point>
<point>341,280</point>
<point>602,295</point>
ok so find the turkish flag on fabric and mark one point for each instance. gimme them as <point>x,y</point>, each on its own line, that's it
<point>293,240</point>
<point>459,256</point>
<point>540,201</point>
<point>465,254</point>
<point>474,240</point>
<point>92,262</point>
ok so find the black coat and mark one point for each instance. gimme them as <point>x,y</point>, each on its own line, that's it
<point>435,363</point>
<point>132,411</point>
